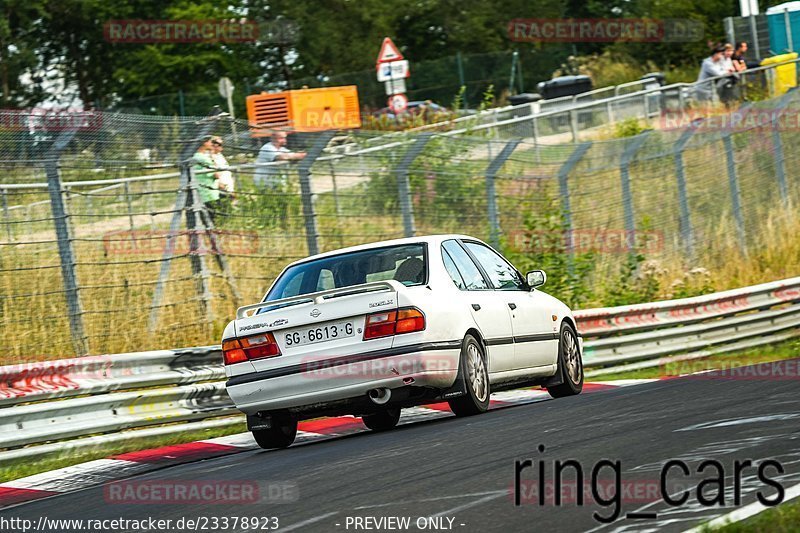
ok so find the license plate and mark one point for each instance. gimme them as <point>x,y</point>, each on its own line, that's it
<point>328,332</point>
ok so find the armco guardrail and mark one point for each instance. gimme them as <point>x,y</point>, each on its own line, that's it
<point>644,331</point>
<point>143,390</point>
<point>108,373</point>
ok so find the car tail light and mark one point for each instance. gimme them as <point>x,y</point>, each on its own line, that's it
<point>249,348</point>
<point>388,323</point>
<point>409,320</point>
<point>232,352</point>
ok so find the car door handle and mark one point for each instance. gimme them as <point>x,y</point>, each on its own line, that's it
<point>476,307</point>
<point>512,305</point>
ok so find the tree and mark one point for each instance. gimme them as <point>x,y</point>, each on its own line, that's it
<point>18,59</point>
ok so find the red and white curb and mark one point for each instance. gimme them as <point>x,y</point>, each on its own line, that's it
<point>122,466</point>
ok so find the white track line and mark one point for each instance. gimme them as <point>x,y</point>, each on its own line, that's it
<point>470,504</point>
<point>744,512</point>
<point>309,521</point>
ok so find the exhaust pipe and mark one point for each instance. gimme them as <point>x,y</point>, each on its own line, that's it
<point>380,396</point>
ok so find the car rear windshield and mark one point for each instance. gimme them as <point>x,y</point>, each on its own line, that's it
<point>405,263</point>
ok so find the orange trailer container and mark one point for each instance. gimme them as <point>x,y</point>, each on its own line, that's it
<point>326,108</point>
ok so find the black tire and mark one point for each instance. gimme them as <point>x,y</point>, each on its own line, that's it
<point>472,369</point>
<point>570,364</point>
<point>382,420</point>
<point>280,435</point>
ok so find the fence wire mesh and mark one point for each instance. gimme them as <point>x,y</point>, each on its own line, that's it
<point>142,257</point>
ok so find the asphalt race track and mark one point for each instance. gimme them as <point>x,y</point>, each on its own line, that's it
<point>460,473</point>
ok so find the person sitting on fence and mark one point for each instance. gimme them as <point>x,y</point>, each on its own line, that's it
<point>205,175</point>
<point>224,176</point>
<point>274,150</point>
<point>711,68</point>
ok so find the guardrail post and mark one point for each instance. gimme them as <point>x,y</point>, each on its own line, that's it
<point>403,186</point>
<point>65,250</point>
<point>687,233</point>
<point>150,203</point>
<point>777,143</point>
<point>535,139</point>
<point>336,206</point>
<point>304,171</point>
<point>127,191</point>
<point>491,191</point>
<point>733,182</point>
<point>573,124</point>
<point>754,35</point>
<point>729,29</point>
<point>566,208</point>
<point>625,180</point>
<point>6,214</point>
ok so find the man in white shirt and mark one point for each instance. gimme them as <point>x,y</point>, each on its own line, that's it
<point>274,150</point>
<point>711,68</point>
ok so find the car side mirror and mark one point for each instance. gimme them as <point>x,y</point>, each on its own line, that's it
<point>536,278</point>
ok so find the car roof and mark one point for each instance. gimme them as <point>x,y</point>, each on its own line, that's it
<point>430,239</point>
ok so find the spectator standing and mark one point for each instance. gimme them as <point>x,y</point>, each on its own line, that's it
<point>728,87</point>
<point>727,55</point>
<point>205,172</point>
<point>274,150</point>
<point>224,176</point>
<point>710,68</point>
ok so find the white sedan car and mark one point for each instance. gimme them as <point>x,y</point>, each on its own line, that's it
<point>371,329</point>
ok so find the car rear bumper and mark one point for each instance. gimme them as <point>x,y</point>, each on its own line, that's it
<point>312,383</point>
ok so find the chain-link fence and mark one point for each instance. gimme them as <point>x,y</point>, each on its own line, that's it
<point>439,80</point>
<point>113,237</point>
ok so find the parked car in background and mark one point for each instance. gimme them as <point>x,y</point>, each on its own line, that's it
<point>415,107</point>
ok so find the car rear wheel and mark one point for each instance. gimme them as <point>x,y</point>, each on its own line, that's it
<point>280,435</point>
<point>569,364</point>
<point>382,420</point>
<point>473,371</point>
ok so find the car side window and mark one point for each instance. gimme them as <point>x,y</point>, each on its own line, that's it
<point>472,277</point>
<point>452,269</point>
<point>502,275</point>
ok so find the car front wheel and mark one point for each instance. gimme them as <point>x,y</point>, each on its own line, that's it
<point>569,364</point>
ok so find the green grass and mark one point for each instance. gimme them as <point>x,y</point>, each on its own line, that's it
<point>784,518</point>
<point>73,457</point>
<point>764,354</point>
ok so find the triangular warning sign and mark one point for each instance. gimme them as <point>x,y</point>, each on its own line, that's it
<point>389,52</point>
